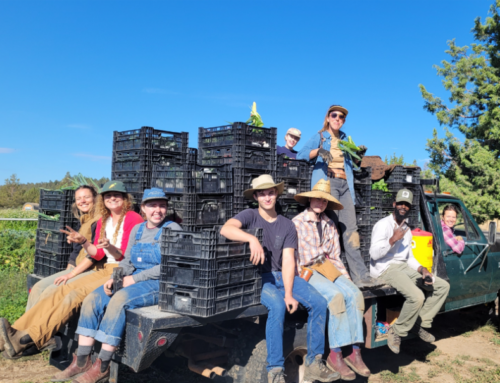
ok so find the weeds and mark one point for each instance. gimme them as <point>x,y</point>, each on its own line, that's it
<point>18,225</point>
<point>400,377</point>
<point>464,357</point>
<point>14,294</point>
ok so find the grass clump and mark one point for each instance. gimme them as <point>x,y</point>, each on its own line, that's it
<point>400,377</point>
<point>14,294</point>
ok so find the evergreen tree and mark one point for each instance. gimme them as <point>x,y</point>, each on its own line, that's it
<point>469,168</point>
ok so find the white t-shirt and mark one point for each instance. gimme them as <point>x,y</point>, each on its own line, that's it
<point>110,232</point>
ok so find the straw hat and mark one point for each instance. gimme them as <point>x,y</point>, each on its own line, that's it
<point>320,190</point>
<point>263,182</point>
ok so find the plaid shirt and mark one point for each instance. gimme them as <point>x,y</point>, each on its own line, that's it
<point>449,237</point>
<point>310,246</point>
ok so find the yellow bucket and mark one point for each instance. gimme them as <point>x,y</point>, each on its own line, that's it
<point>421,245</point>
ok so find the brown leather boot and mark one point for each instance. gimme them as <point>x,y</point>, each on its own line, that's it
<point>7,325</point>
<point>12,339</point>
<point>335,362</point>
<point>94,375</point>
<point>356,363</point>
<point>72,371</point>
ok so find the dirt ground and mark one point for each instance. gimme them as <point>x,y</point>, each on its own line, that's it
<point>467,350</point>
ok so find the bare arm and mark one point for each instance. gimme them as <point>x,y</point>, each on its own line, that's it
<point>232,230</point>
<point>84,265</point>
<point>288,272</point>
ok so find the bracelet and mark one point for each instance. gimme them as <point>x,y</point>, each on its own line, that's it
<point>84,241</point>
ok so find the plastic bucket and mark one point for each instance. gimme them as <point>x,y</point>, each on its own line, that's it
<point>422,248</point>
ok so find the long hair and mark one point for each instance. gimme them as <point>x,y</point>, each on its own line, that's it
<point>105,214</point>
<point>326,124</point>
<point>91,213</point>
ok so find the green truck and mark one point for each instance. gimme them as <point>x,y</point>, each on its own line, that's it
<point>231,347</point>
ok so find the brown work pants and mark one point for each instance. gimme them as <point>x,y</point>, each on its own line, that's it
<point>50,314</point>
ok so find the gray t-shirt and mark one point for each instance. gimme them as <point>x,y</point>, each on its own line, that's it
<point>278,235</point>
<point>148,235</point>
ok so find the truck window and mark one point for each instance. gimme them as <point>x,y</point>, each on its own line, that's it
<point>464,226</point>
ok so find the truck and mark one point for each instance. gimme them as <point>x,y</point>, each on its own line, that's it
<point>231,347</point>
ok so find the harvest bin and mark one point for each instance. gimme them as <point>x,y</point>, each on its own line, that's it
<point>56,200</point>
<point>237,133</point>
<point>148,138</point>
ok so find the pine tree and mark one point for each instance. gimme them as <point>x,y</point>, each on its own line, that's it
<point>470,168</point>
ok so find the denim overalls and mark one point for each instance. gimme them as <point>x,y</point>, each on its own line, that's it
<point>103,317</point>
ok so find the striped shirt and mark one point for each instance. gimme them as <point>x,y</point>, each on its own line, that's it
<point>456,245</point>
<point>311,247</point>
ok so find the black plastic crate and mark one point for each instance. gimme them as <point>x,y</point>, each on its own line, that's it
<point>363,216</point>
<point>47,264</point>
<point>135,182</point>
<point>382,199</point>
<point>402,174</point>
<point>64,218</point>
<point>363,194</point>
<point>201,209</point>
<point>206,302</point>
<point>292,168</point>
<point>136,160</point>
<point>194,272</point>
<point>243,178</point>
<point>415,189</point>
<point>52,242</point>
<point>289,208</point>
<point>365,254</point>
<point>56,200</point>
<point>207,244</point>
<point>240,157</point>
<point>149,138</point>
<point>365,235</point>
<point>238,133</point>
<point>240,203</point>
<point>294,187</point>
<point>364,176</point>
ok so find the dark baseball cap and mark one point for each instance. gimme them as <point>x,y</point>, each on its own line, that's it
<point>110,186</point>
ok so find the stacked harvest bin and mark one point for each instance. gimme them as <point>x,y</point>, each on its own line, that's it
<point>204,274</point>
<point>135,152</point>
<point>52,250</point>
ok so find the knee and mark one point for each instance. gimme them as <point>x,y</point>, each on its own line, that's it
<point>337,304</point>
<point>274,302</point>
<point>118,301</point>
<point>360,301</point>
<point>353,239</point>
<point>418,298</point>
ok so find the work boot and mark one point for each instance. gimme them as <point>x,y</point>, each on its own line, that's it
<point>426,336</point>
<point>393,341</point>
<point>335,362</point>
<point>53,344</point>
<point>368,282</point>
<point>72,371</point>
<point>317,370</point>
<point>276,375</point>
<point>94,375</point>
<point>12,339</point>
<point>356,363</point>
<point>7,326</point>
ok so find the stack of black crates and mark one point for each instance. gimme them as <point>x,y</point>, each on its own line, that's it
<point>204,274</point>
<point>52,250</point>
<point>136,152</point>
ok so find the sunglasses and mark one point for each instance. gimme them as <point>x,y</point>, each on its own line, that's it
<point>335,115</point>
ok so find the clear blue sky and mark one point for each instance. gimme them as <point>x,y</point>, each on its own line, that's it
<point>72,72</point>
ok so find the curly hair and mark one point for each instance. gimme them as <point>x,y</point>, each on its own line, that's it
<point>74,209</point>
<point>101,209</point>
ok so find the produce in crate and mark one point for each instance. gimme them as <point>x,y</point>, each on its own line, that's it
<point>255,119</point>
<point>380,185</point>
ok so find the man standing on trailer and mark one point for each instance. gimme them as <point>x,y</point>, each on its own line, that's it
<point>281,289</point>
<point>292,138</point>
<point>393,262</point>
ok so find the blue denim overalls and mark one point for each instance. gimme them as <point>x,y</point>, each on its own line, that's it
<point>103,317</point>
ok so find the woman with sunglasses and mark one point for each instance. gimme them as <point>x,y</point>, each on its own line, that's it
<point>337,166</point>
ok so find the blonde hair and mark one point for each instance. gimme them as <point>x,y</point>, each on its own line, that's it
<point>91,213</point>
<point>105,214</point>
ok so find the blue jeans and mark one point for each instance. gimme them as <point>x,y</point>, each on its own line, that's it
<point>346,306</point>
<point>103,318</point>
<point>273,294</point>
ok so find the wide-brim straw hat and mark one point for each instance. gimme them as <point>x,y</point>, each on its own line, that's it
<point>320,190</point>
<point>263,182</point>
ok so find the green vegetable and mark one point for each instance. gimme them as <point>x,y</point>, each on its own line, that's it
<point>349,147</point>
<point>380,185</point>
<point>50,217</point>
<point>255,119</point>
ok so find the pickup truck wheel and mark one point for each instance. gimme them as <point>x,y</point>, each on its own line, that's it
<point>255,354</point>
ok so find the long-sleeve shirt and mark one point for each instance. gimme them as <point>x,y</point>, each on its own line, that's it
<point>312,245</point>
<point>456,245</point>
<point>383,255</point>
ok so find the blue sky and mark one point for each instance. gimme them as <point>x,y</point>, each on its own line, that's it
<point>72,72</point>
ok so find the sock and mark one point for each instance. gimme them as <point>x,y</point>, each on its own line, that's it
<point>105,357</point>
<point>336,349</point>
<point>26,339</point>
<point>82,354</point>
<point>355,347</point>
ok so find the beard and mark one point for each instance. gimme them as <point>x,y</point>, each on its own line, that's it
<point>400,217</point>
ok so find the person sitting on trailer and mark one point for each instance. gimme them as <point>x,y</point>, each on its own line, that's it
<point>393,262</point>
<point>39,324</point>
<point>448,222</point>
<point>102,317</point>
<point>292,138</point>
<point>281,289</point>
<point>318,256</point>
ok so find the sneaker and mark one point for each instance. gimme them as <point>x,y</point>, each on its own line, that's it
<point>426,336</point>
<point>317,370</point>
<point>393,341</point>
<point>335,362</point>
<point>276,375</point>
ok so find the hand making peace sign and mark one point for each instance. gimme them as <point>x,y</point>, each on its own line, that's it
<point>73,236</point>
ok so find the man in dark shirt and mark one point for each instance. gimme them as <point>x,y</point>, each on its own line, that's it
<point>292,137</point>
<point>281,289</point>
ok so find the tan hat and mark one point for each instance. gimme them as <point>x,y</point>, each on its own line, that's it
<point>294,132</point>
<point>263,182</point>
<point>320,190</point>
<point>338,108</point>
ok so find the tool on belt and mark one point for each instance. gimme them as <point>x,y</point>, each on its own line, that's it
<point>117,279</point>
<point>322,266</point>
